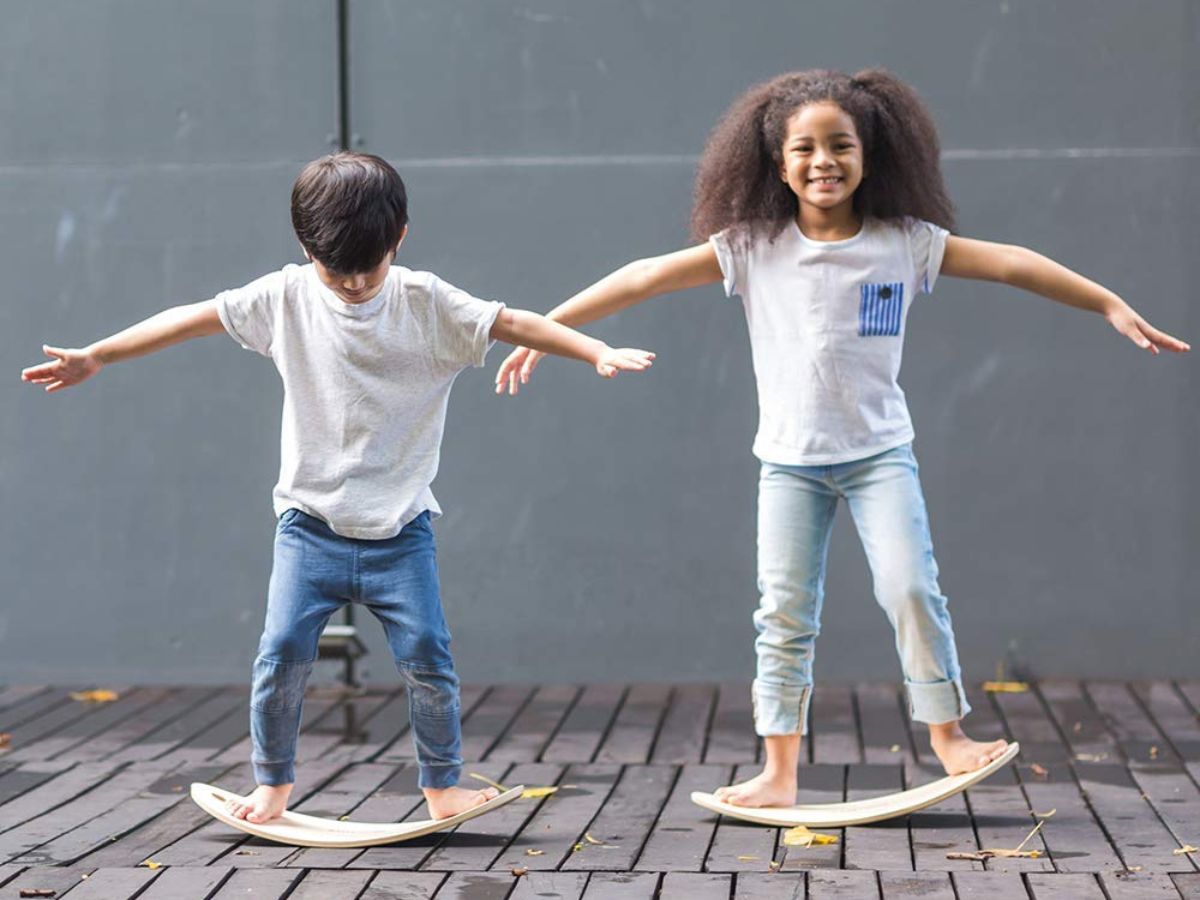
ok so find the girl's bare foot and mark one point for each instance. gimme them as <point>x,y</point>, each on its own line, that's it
<point>451,801</point>
<point>761,790</point>
<point>266,802</point>
<point>958,753</point>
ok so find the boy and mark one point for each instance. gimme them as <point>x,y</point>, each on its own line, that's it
<point>367,352</point>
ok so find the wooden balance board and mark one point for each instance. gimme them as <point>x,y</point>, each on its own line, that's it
<point>858,812</point>
<point>300,830</point>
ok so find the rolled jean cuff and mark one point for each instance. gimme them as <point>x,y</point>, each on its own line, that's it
<point>274,773</point>
<point>438,777</point>
<point>937,702</point>
<point>780,708</point>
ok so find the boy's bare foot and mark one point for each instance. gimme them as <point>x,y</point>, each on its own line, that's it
<point>265,803</point>
<point>761,790</point>
<point>958,753</point>
<point>451,801</point>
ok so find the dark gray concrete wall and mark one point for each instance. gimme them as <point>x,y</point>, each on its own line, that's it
<point>594,530</point>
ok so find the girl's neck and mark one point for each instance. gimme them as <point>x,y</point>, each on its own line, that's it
<point>835,224</point>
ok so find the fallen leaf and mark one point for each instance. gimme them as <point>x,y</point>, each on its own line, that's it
<point>1006,687</point>
<point>577,848</point>
<point>1091,757</point>
<point>1154,752</point>
<point>1077,727</point>
<point>802,837</point>
<point>774,865</point>
<point>96,696</point>
<point>150,864</point>
<point>895,748</point>
<point>497,785</point>
<point>591,840</point>
<point>519,870</point>
<point>1133,868</point>
<point>1186,848</point>
<point>534,792</point>
<point>747,858</point>
<point>1046,815</point>
<point>246,853</point>
<point>532,852</point>
<point>5,740</point>
<point>1039,770</point>
<point>38,892</point>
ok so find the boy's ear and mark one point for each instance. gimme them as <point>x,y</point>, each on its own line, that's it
<point>403,235</point>
<point>304,250</point>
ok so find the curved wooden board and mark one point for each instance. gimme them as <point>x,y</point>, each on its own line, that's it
<point>858,812</point>
<point>300,830</point>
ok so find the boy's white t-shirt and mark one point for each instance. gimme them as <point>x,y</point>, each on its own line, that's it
<point>827,325</point>
<point>365,388</point>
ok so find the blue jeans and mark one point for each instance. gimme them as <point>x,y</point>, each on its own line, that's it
<point>795,516</point>
<point>315,572</point>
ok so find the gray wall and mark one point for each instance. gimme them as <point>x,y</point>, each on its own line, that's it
<point>594,530</point>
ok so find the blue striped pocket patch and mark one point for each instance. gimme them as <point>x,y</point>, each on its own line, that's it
<point>879,310</point>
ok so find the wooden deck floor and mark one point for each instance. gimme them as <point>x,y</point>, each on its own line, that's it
<point>93,797</point>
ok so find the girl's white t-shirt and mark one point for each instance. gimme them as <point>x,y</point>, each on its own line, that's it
<point>827,323</point>
<point>365,388</point>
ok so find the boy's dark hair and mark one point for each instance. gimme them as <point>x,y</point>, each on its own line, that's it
<point>349,210</point>
<point>738,180</point>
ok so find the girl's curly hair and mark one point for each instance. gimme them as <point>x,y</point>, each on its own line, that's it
<point>738,180</point>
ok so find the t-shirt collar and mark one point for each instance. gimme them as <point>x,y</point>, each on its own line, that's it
<point>353,310</point>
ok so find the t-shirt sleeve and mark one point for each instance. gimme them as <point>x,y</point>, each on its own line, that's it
<point>927,242</point>
<point>249,313</point>
<point>730,246</point>
<point>464,324</point>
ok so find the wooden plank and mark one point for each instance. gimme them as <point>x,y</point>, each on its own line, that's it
<point>113,884</point>
<point>883,719</point>
<point>16,694</point>
<point>625,820</point>
<point>1029,722</point>
<point>819,783</point>
<point>33,722</point>
<point>324,885</point>
<point>403,886</point>
<point>691,886</point>
<point>209,726</point>
<point>1045,886</point>
<point>1073,837</point>
<point>558,827</point>
<point>488,722</point>
<point>988,885</point>
<point>1176,799</point>
<point>362,726</point>
<point>22,779</point>
<point>1138,886</point>
<point>827,884</point>
<point>172,704</point>
<point>1188,885</point>
<point>187,883</point>
<point>1172,715</point>
<point>533,727</point>
<point>680,838</point>
<point>340,724</point>
<point>81,728</point>
<point>33,707</point>
<point>8,873</point>
<point>739,846</point>
<point>633,733</point>
<point>476,886</point>
<point>883,845</point>
<point>774,886</point>
<point>1138,834</point>
<point>834,736</point>
<point>1137,736</point>
<point>1002,819</point>
<point>564,885</point>
<point>685,726</point>
<point>622,886</point>
<point>158,791</point>
<point>932,885</point>
<point>1077,719</point>
<point>731,739</point>
<point>937,831</point>
<point>478,847</point>
<point>44,878</point>
<point>586,725</point>
<point>261,884</point>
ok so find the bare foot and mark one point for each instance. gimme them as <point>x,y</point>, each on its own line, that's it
<point>958,753</point>
<point>761,790</point>
<point>451,801</point>
<point>265,803</point>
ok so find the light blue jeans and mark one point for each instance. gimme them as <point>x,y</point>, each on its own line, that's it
<point>796,505</point>
<point>315,573</point>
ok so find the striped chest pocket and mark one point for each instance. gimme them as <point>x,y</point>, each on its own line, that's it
<point>880,308</point>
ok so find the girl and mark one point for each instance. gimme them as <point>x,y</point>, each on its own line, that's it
<point>821,203</point>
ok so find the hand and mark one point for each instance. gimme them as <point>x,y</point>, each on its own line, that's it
<point>1142,333</point>
<point>516,369</point>
<point>68,368</point>
<point>612,361</point>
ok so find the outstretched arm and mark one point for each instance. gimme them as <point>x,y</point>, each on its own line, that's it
<point>171,326</point>
<point>1023,268</point>
<point>527,329</point>
<point>631,284</point>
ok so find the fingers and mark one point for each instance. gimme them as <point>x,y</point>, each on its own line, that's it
<point>531,360</point>
<point>56,386</point>
<point>1164,340</point>
<point>41,371</point>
